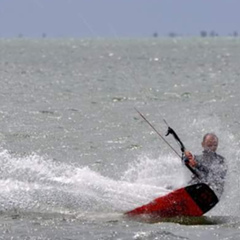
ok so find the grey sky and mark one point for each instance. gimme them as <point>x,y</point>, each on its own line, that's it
<point>128,18</point>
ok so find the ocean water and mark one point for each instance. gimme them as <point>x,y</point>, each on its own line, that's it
<point>74,153</point>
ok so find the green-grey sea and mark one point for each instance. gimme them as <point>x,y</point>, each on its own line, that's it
<point>74,153</point>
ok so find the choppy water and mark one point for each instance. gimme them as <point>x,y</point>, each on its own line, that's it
<point>75,154</point>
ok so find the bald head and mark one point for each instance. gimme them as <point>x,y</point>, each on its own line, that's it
<point>210,142</point>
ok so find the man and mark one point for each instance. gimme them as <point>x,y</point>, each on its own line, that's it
<point>210,166</point>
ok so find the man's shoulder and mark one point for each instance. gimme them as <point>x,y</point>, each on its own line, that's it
<point>220,157</point>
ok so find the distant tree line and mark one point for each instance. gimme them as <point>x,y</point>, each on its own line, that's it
<point>210,34</point>
<point>214,34</point>
<point>20,35</point>
<point>203,33</point>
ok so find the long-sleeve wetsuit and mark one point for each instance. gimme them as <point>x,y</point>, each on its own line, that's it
<point>212,170</point>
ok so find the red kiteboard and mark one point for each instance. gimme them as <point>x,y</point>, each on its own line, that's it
<point>193,200</point>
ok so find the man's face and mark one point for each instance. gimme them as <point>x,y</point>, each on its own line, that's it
<point>210,143</point>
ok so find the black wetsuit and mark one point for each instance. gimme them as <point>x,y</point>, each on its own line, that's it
<point>212,170</point>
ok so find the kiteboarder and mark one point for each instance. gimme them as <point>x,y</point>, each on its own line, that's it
<point>210,166</point>
<point>198,198</point>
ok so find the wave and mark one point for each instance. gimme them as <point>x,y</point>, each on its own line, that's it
<point>35,183</point>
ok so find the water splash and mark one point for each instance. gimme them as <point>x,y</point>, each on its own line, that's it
<point>167,171</point>
<point>35,183</point>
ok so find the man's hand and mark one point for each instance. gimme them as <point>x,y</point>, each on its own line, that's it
<point>190,157</point>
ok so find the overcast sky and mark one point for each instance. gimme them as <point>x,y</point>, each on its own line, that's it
<point>117,18</point>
